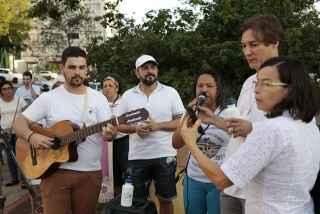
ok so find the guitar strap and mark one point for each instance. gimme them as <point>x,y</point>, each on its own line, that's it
<point>14,116</point>
<point>84,109</point>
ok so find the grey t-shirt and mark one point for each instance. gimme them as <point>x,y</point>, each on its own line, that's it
<point>213,143</point>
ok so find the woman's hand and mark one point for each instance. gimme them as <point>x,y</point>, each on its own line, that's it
<point>205,114</point>
<point>192,104</point>
<point>238,127</point>
<point>189,134</point>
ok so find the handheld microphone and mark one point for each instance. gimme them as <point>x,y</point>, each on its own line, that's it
<point>201,99</point>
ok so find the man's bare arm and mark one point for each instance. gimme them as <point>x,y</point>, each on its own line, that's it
<point>21,127</point>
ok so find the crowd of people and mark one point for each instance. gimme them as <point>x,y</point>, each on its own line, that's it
<point>262,156</point>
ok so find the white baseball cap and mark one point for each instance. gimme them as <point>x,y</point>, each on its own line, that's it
<point>144,59</point>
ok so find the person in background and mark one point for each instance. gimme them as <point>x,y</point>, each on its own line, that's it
<point>151,155</point>
<point>1,146</point>
<point>280,158</point>
<point>2,78</point>
<point>15,83</point>
<point>10,107</point>
<point>260,41</point>
<point>120,145</point>
<point>200,195</point>
<point>28,91</point>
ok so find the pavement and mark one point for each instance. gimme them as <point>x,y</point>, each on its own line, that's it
<point>17,199</point>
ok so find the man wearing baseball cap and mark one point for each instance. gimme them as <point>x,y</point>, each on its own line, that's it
<point>143,59</point>
<point>151,155</point>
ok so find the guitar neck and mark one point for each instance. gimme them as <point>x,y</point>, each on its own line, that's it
<point>81,134</point>
<point>128,118</point>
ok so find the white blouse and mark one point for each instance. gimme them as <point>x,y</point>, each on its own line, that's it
<point>279,162</point>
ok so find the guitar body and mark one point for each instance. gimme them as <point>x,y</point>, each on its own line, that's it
<point>39,163</point>
<point>48,160</point>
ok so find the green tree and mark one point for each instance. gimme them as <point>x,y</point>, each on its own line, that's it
<point>208,34</point>
<point>14,25</point>
<point>299,18</point>
<point>62,21</point>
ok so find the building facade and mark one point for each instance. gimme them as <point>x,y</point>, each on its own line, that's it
<point>46,41</point>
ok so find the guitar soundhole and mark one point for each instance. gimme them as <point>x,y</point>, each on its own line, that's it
<point>56,143</point>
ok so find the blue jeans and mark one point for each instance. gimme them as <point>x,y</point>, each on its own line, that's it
<point>200,198</point>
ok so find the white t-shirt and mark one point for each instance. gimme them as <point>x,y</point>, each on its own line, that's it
<point>26,93</point>
<point>58,105</point>
<point>213,143</point>
<point>247,104</point>
<point>163,105</point>
<point>8,110</point>
<point>278,162</point>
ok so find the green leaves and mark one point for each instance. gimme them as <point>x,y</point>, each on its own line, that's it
<point>14,23</point>
<point>206,33</point>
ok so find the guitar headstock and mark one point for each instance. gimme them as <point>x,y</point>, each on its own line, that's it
<point>134,116</point>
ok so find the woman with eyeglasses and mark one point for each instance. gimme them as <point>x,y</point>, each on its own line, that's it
<point>280,158</point>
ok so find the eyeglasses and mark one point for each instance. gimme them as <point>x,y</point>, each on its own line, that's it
<point>269,83</point>
<point>26,79</point>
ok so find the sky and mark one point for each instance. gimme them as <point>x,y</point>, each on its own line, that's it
<point>137,8</point>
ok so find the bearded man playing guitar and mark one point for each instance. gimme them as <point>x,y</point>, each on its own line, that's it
<point>73,187</point>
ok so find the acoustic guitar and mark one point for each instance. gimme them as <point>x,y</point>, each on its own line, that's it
<point>39,163</point>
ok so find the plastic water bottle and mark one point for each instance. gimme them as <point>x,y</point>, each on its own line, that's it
<point>127,193</point>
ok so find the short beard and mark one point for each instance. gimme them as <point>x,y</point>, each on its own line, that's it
<point>74,82</point>
<point>148,81</point>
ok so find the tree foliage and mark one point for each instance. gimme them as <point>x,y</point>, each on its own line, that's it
<point>61,22</point>
<point>53,9</point>
<point>14,23</point>
<point>184,40</point>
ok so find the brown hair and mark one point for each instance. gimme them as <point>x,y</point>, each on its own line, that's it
<point>72,51</point>
<point>266,28</point>
<point>5,82</point>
